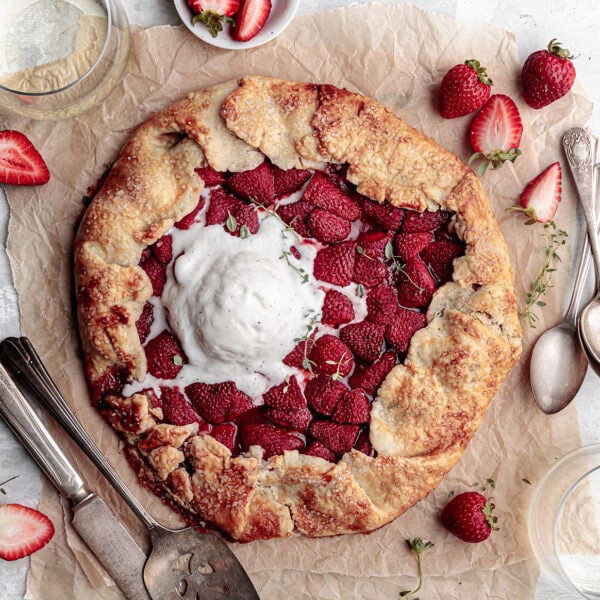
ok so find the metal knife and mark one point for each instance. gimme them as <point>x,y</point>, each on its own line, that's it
<point>98,527</point>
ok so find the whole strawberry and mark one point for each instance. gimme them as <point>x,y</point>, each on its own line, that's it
<point>547,75</point>
<point>469,517</point>
<point>464,89</point>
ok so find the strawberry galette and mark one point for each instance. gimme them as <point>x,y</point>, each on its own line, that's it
<point>294,308</point>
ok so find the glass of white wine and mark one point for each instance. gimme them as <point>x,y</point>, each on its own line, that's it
<point>59,58</point>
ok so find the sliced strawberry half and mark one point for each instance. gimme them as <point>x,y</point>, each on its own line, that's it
<point>496,133</point>
<point>331,356</point>
<point>23,531</point>
<point>541,195</point>
<point>214,13</point>
<point>337,308</point>
<point>20,162</point>
<point>252,16</point>
<point>365,339</point>
<point>323,192</point>
<point>335,264</point>
<point>254,185</point>
<point>327,227</point>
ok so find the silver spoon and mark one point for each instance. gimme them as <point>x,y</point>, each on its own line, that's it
<point>579,146</point>
<point>558,362</point>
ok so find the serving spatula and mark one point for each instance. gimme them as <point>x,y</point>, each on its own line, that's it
<point>183,563</point>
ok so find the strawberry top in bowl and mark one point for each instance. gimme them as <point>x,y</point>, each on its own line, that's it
<point>236,24</point>
<point>294,308</point>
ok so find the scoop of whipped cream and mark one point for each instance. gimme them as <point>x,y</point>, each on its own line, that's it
<point>238,305</point>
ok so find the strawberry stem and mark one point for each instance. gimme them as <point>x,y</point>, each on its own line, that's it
<point>481,71</point>
<point>213,20</point>
<point>556,48</point>
<point>418,546</point>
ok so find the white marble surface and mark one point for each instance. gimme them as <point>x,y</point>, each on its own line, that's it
<point>534,23</point>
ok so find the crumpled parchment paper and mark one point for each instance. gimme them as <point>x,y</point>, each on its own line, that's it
<point>397,55</point>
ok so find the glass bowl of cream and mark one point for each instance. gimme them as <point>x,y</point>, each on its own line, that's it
<point>563,521</point>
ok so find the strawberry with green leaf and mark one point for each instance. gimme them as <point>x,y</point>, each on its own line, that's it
<point>547,75</point>
<point>465,88</point>
<point>214,13</point>
<point>540,198</point>
<point>496,133</point>
<point>469,516</point>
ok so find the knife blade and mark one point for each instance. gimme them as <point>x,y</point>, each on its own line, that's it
<point>98,527</point>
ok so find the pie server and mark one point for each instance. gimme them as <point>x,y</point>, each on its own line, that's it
<point>97,526</point>
<point>183,563</point>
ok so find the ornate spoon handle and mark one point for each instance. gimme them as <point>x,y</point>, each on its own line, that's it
<point>579,147</point>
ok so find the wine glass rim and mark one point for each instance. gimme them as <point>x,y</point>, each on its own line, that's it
<point>107,5</point>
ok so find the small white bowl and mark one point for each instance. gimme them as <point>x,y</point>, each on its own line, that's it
<point>282,13</point>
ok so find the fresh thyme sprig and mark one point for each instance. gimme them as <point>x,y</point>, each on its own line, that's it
<point>555,239</point>
<point>306,362</point>
<point>303,274</point>
<point>418,546</point>
<point>272,212</point>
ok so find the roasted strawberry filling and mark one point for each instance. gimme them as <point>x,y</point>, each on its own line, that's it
<point>361,276</point>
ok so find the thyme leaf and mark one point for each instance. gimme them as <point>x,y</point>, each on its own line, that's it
<point>554,239</point>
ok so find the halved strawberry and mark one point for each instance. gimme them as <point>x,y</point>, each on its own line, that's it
<point>286,182</point>
<point>23,531</point>
<point>372,243</point>
<point>337,308</point>
<point>496,133</point>
<point>286,396</point>
<point>327,227</point>
<point>225,433</point>
<point>369,272</point>
<point>187,221</point>
<point>271,438</point>
<point>404,325</point>
<point>295,214</point>
<point>253,14</point>
<point>409,244</point>
<point>335,264</point>
<point>365,339</point>
<point>297,420</point>
<point>331,356</point>
<point>338,437</point>
<point>256,184</point>
<point>298,357</point>
<point>440,256</point>
<point>210,176</point>
<point>384,216</point>
<point>163,249</point>
<point>156,271</point>
<point>429,220</point>
<point>20,162</point>
<point>214,13</point>
<point>319,449</point>
<point>541,195</point>
<point>353,408</point>
<point>369,377</point>
<point>164,356</point>
<point>221,206</point>
<point>322,393</point>
<point>321,191</point>
<point>381,304</point>
<point>178,411</point>
<point>218,402</point>
<point>144,323</point>
<point>415,284</point>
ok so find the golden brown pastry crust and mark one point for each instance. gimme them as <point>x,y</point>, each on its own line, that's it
<point>426,410</point>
